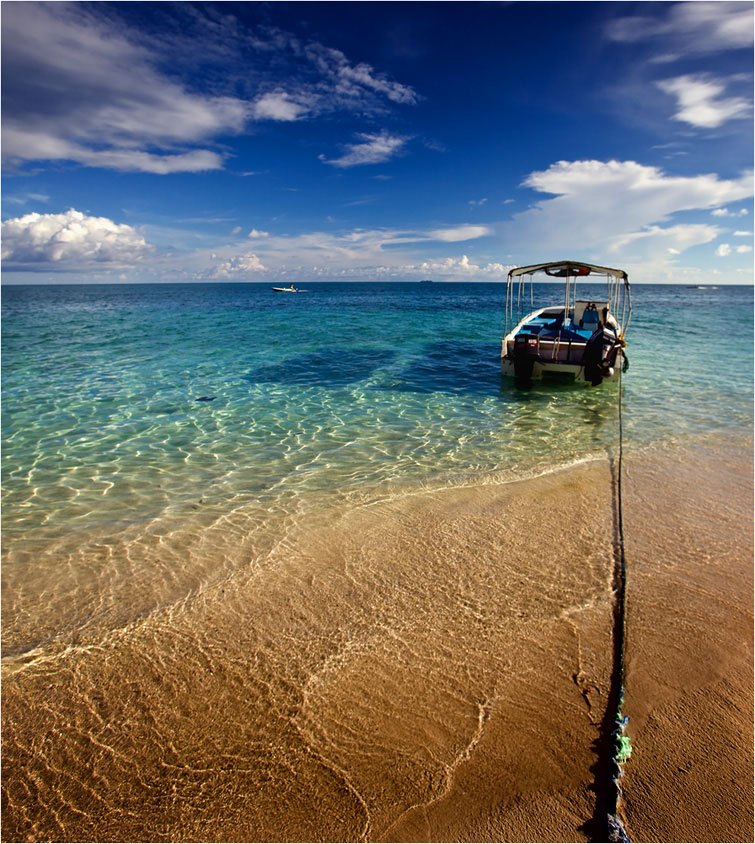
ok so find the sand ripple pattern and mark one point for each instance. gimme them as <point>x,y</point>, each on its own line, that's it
<point>343,690</point>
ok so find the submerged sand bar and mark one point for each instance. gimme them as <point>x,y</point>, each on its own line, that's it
<point>428,668</point>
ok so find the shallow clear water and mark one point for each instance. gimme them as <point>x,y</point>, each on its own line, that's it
<point>342,393</point>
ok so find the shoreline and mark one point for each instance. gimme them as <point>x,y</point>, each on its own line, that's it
<point>416,669</point>
<point>236,534</point>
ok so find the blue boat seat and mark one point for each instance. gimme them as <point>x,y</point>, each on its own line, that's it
<point>589,320</point>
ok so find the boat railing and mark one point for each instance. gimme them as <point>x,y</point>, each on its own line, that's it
<point>618,294</point>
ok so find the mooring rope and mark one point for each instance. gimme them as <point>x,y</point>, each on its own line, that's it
<point>621,747</point>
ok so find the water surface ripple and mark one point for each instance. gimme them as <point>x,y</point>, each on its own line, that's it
<point>117,478</point>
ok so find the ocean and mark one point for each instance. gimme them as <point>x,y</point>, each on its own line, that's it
<point>164,444</point>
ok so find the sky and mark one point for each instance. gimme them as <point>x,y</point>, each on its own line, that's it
<point>391,141</point>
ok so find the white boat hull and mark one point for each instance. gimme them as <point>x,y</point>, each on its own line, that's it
<point>541,369</point>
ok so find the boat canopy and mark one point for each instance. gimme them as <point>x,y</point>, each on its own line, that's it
<point>618,295</point>
<point>563,269</point>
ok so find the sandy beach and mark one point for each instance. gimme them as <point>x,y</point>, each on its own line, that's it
<point>419,670</point>
<point>689,646</point>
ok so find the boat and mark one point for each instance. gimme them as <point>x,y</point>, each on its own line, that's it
<point>289,289</point>
<point>577,339</point>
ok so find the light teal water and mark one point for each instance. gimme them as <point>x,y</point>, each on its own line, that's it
<point>340,394</point>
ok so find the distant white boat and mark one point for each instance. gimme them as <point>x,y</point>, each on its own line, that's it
<point>580,338</point>
<point>290,289</point>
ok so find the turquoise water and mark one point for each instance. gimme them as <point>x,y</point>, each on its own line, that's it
<point>339,395</point>
<point>335,389</point>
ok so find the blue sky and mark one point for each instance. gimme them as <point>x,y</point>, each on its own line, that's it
<point>352,141</point>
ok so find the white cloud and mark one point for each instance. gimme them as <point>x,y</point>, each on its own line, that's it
<point>613,212</point>
<point>25,198</point>
<point>239,265</point>
<point>743,249</point>
<point>458,233</point>
<point>723,250</point>
<point>364,75</point>
<point>742,234</point>
<point>70,241</point>
<point>374,149</point>
<point>622,183</point>
<point>76,88</point>
<point>699,101</point>
<point>681,236</point>
<point>360,253</point>
<point>463,266</point>
<point>81,85</point>
<point>724,212</point>
<point>278,105</point>
<point>351,83</point>
<point>254,234</point>
<point>19,144</point>
<point>694,27</point>
<point>617,208</point>
<point>478,202</point>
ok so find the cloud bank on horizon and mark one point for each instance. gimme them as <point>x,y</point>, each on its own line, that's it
<point>168,142</point>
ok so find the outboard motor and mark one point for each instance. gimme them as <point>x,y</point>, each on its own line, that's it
<point>600,354</point>
<point>526,351</point>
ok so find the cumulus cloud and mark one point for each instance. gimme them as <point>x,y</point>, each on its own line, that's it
<point>357,253</point>
<point>239,265</point>
<point>462,266</point>
<point>726,249</point>
<point>254,233</point>
<point>374,149</point>
<point>620,182</point>
<point>682,28</point>
<point>699,101</point>
<point>70,241</point>
<point>724,212</point>
<point>619,207</point>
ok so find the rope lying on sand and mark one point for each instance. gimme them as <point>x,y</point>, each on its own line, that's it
<point>621,747</point>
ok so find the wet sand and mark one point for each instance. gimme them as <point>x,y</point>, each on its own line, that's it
<point>418,670</point>
<point>690,646</point>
